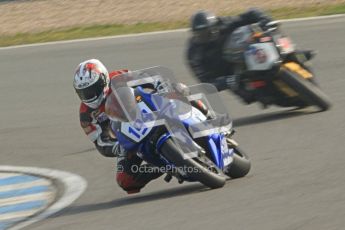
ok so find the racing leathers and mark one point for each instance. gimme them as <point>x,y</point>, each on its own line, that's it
<point>95,124</point>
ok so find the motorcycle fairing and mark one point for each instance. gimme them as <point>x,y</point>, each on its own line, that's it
<point>134,138</point>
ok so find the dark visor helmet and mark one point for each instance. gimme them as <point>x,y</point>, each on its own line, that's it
<point>204,26</point>
<point>91,80</point>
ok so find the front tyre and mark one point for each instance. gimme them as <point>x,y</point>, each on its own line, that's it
<point>240,165</point>
<point>308,91</point>
<point>203,171</point>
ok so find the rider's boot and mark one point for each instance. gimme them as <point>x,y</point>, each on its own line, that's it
<point>131,175</point>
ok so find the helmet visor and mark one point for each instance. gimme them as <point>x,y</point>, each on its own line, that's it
<point>91,92</point>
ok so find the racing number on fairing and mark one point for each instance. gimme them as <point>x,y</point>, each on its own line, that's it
<point>138,130</point>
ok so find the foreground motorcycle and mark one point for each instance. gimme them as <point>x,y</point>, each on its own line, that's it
<point>271,70</point>
<point>150,123</point>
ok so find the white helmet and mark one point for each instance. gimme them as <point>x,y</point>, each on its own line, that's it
<point>91,82</point>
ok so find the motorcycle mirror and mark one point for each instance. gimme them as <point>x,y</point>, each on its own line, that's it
<point>273,24</point>
<point>272,29</point>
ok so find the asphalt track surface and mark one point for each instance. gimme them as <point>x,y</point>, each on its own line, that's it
<point>298,174</point>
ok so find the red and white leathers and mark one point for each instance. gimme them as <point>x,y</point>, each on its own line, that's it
<point>95,123</point>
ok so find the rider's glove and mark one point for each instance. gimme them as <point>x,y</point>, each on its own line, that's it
<point>268,24</point>
<point>162,87</point>
<point>118,150</point>
<point>227,82</point>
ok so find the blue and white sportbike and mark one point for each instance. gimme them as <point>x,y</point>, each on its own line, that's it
<point>151,116</point>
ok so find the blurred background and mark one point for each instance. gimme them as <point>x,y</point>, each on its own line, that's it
<point>33,16</point>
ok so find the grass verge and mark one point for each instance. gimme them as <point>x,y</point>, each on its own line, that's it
<point>116,29</point>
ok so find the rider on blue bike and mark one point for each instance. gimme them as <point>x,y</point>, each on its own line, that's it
<point>91,83</point>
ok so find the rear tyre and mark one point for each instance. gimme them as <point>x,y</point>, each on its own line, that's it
<point>240,165</point>
<point>309,92</point>
<point>198,169</point>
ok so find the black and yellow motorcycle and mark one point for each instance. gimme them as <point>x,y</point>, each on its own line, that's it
<point>271,70</point>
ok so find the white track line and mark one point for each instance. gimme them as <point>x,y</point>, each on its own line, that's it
<point>151,33</point>
<point>74,186</point>
<point>18,215</point>
<point>313,18</point>
<point>40,182</point>
<point>26,198</point>
<point>93,39</point>
<point>5,175</point>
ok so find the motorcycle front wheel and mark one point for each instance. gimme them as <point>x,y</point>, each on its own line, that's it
<point>240,165</point>
<point>306,90</point>
<point>199,169</point>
